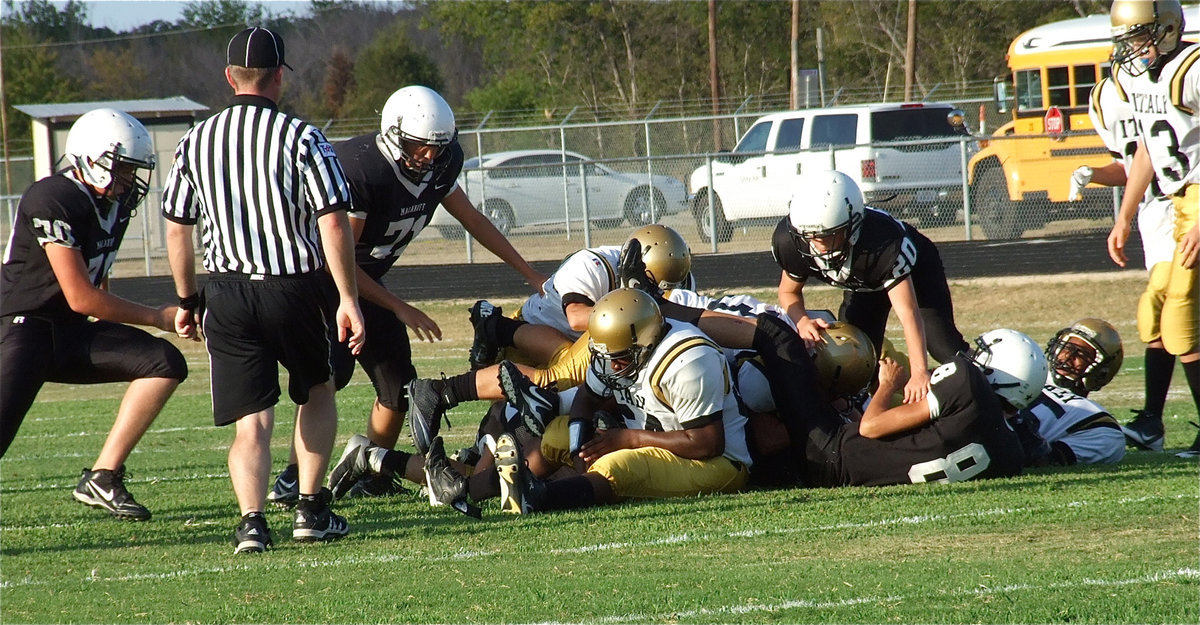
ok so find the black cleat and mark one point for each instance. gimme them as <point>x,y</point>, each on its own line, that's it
<point>376,485</point>
<point>354,465</point>
<point>105,489</point>
<point>1144,432</point>
<point>286,489</point>
<point>445,485</point>
<point>427,408</point>
<point>252,534</point>
<point>314,521</point>
<point>537,406</point>
<point>484,349</point>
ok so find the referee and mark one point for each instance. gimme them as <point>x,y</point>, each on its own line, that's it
<point>273,200</point>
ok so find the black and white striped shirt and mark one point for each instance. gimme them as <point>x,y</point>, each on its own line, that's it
<point>259,178</point>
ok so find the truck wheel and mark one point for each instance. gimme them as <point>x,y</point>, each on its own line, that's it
<point>722,228</point>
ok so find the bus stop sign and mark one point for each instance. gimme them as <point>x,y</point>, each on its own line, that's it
<point>1054,121</point>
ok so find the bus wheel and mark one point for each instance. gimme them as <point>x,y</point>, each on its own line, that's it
<point>996,215</point>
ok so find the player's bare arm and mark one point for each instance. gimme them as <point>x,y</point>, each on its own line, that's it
<point>86,299</point>
<point>480,227</point>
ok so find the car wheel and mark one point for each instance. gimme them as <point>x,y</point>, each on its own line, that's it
<point>639,210</point>
<point>454,233</point>
<point>724,231</point>
<point>500,214</point>
<point>996,215</point>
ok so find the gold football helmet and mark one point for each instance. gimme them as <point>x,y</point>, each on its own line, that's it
<point>845,360</point>
<point>1101,353</point>
<point>625,326</point>
<point>1139,24</point>
<point>666,255</point>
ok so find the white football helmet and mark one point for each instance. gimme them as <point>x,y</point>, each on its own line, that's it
<point>625,326</point>
<point>1139,24</point>
<point>417,115</point>
<point>100,142</point>
<point>1013,364</point>
<point>826,204</point>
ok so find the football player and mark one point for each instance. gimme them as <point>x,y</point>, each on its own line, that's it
<point>548,337</point>
<point>1160,76</point>
<point>664,390</point>
<point>1112,116</point>
<point>398,177</point>
<point>65,237</point>
<point>956,432</point>
<point>881,263</point>
<point>1062,427</point>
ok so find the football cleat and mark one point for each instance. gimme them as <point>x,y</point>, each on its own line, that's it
<point>286,490</point>
<point>444,485</point>
<point>537,406</point>
<point>252,534</point>
<point>105,489</point>
<point>632,273</point>
<point>1144,432</point>
<point>484,349</point>
<point>317,522</point>
<point>427,408</point>
<point>354,465</point>
<point>1194,450</point>
<point>520,492</point>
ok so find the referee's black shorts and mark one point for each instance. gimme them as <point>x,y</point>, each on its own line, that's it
<point>252,324</point>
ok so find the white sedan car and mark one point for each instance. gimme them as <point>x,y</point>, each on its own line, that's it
<point>545,187</point>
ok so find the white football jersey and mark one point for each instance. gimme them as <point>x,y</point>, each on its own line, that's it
<point>685,380</point>
<point>1093,435</point>
<point>1165,110</point>
<point>751,383</point>
<point>1113,120</point>
<point>589,273</point>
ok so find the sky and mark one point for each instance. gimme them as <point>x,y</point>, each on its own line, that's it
<point>124,15</point>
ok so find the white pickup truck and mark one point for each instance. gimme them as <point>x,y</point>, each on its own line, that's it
<point>907,158</point>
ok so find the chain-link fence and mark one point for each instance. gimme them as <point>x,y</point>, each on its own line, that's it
<point>556,188</point>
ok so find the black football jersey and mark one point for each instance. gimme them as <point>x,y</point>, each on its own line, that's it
<point>883,255</point>
<point>58,210</point>
<point>969,439</point>
<point>394,208</point>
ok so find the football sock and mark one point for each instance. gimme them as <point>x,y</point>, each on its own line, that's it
<point>461,387</point>
<point>1160,364</point>
<point>505,328</point>
<point>569,493</point>
<point>394,461</point>
<point>1191,371</point>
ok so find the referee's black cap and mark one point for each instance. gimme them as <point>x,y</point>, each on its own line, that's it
<point>256,47</point>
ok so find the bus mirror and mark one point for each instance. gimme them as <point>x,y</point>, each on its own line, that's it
<point>1000,93</point>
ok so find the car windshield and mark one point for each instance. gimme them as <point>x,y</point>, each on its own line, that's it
<point>913,123</point>
<point>471,163</point>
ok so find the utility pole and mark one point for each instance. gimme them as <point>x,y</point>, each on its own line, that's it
<point>713,75</point>
<point>795,50</point>
<point>910,52</point>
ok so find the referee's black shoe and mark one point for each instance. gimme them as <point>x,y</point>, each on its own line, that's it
<point>252,534</point>
<point>428,402</point>
<point>315,521</point>
<point>105,489</point>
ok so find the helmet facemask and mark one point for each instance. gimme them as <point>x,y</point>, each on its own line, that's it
<point>624,328</point>
<point>838,248</point>
<point>404,147</point>
<point>618,369</point>
<point>1140,26</point>
<point>1130,49</point>
<point>1085,356</point>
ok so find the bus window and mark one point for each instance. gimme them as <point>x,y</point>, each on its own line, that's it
<point>1029,90</point>
<point>1085,79</point>
<point>1060,86</point>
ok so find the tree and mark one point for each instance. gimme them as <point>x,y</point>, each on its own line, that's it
<point>31,76</point>
<point>386,64</point>
<point>339,80</point>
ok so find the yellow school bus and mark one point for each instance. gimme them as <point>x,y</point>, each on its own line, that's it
<point>1021,177</point>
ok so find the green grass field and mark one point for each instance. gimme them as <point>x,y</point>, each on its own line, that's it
<point>1112,544</point>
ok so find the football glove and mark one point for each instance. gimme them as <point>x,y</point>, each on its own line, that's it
<point>1079,179</point>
